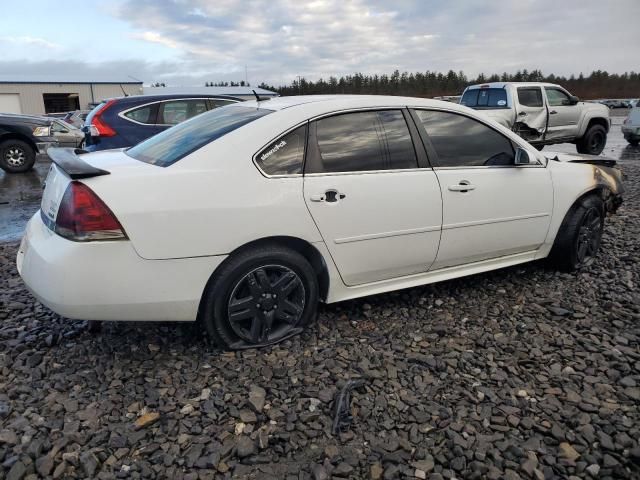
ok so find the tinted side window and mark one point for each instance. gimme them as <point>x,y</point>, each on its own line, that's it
<point>364,141</point>
<point>460,141</point>
<point>140,114</point>
<point>530,97</point>
<point>172,113</point>
<point>556,97</point>
<point>285,155</point>
<point>215,103</point>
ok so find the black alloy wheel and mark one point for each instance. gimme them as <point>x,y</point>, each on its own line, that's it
<point>266,304</point>
<point>578,240</point>
<point>589,235</point>
<point>259,296</point>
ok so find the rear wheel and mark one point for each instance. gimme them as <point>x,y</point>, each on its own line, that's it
<point>593,141</point>
<point>16,156</point>
<point>260,297</point>
<point>578,240</point>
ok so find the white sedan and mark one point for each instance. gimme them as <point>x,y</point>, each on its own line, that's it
<point>246,216</point>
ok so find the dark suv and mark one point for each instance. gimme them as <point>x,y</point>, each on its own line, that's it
<point>125,121</point>
<point>21,138</point>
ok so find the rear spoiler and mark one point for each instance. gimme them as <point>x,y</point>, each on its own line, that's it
<point>69,161</point>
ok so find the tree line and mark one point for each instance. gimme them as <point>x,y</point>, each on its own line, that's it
<point>599,84</point>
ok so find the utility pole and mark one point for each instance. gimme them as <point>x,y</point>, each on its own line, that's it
<point>246,80</point>
<point>299,85</point>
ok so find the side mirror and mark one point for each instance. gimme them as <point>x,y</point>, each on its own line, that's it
<point>522,157</point>
<point>573,100</point>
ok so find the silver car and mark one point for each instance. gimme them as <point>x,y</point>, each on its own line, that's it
<point>631,127</point>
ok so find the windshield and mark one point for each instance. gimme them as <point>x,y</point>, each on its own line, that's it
<point>177,142</point>
<point>484,98</point>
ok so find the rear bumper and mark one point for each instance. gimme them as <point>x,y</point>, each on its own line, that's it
<point>108,280</point>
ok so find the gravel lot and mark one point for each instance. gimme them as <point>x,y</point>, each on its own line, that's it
<point>518,373</point>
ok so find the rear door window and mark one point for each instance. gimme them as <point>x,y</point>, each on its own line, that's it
<point>530,96</point>
<point>484,98</point>
<point>215,103</point>
<point>141,115</point>
<point>362,141</point>
<point>177,111</point>
<point>176,143</point>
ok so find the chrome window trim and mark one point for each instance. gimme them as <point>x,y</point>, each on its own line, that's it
<point>123,113</point>
<point>369,172</point>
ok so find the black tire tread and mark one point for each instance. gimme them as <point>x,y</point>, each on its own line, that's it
<point>215,290</point>
<point>29,152</point>
<point>562,254</point>
<point>582,144</point>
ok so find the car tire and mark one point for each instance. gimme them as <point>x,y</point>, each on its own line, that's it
<point>259,297</point>
<point>16,156</point>
<point>580,234</point>
<point>593,141</point>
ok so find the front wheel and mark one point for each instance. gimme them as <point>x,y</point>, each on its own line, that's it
<point>260,297</point>
<point>578,239</point>
<point>593,141</point>
<point>16,156</point>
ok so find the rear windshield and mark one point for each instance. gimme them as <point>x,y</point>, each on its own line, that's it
<point>177,142</point>
<point>482,98</point>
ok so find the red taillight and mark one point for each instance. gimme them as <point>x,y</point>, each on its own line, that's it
<point>102,128</point>
<point>82,216</point>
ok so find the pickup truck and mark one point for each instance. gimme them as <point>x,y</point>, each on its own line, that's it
<point>542,113</point>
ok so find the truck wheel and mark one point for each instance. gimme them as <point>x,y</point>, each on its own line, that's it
<point>578,239</point>
<point>16,156</point>
<point>593,141</point>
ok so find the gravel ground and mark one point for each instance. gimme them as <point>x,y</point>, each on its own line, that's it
<point>523,372</point>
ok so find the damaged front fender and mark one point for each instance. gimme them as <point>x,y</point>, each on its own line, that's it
<point>607,176</point>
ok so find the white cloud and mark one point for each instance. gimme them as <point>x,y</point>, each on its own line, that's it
<point>280,39</point>
<point>31,42</point>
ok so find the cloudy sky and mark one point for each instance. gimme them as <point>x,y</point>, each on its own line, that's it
<point>188,42</point>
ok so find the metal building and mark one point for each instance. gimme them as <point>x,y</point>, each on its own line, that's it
<point>38,95</point>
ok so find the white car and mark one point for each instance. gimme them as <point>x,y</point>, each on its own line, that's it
<point>246,216</point>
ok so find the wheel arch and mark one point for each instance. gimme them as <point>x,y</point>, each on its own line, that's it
<point>303,247</point>
<point>601,191</point>
<point>596,121</point>
<point>23,138</point>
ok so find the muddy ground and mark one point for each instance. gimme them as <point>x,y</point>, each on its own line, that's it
<point>517,373</point>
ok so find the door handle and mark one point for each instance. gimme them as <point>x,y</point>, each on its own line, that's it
<point>463,186</point>
<point>523,114</point>
<point>330,196</point>
<point>552,112</point>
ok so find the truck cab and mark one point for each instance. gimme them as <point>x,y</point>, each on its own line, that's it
<point>542,113</point>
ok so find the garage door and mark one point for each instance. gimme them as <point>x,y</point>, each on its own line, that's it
<point>10,103</point>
